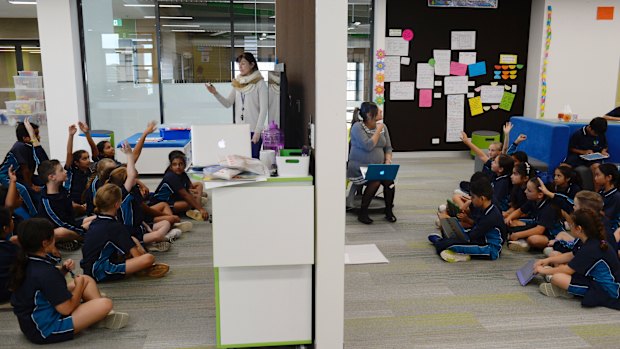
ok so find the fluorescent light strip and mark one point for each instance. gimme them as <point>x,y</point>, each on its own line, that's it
<point>188,30</point>
<point>22,2</point>
<point>182,25</point>
<point>168,17</point>
<point>150,5</point>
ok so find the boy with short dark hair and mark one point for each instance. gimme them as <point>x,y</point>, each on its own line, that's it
<point>587,140</point>
<point>57,207</point>
<point>24,158</point>
<point>485,238</point>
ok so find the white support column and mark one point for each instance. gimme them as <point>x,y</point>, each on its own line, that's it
<point>62,69</point>
<point>535,58</point>
<point>331,142</point>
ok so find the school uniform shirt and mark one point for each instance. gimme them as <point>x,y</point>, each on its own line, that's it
<point>569,191</point>
<point>583,141</point>
<point>76,182</point>
<point>486,169</point>
<point>105,248</point>
<point>21,154</point>
<point>502,186</point>
<point>597,265</point>
<point>489,228</point>
<point>169,187</point>
<point>611,205</point>
<point>58,209</point>
<point>544,214</point>
<point>517,197</point>
<point>35,300</point>
<point>564,202</point>
<point>8,254</point>
<point>131,213</point>
<point>89,195</point>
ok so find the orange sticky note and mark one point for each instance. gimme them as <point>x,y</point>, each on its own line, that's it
<point>605,13</point>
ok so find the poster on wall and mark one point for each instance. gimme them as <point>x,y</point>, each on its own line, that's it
<point>463,3</point>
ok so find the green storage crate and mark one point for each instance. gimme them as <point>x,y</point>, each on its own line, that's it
<point>290,152</point>
<point>482,139</point>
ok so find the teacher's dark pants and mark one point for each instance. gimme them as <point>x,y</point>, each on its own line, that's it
<point>256,146</point>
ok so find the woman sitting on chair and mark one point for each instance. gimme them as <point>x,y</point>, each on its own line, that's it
<point>370,144</point>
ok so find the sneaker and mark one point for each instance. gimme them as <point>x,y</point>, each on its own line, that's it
<point>157,270</point>
<point>184,226</point>
<point>453,257</point>
<point>442,208</point>
<point>518,246</point>
<point>114,320</point>
<point>161,246</point>
<point>173,234</point>
<point>547,251</point>
<point>69,245</point>
<point>433,238</point>
<point>194,214</point>
<point>204,201</point>
<point>548,278</point>
<point>551,290</point>
<point>438,223</point>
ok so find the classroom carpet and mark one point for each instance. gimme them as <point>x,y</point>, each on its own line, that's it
<point>415,301</point>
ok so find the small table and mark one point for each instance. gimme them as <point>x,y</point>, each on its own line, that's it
<point>154,157</point>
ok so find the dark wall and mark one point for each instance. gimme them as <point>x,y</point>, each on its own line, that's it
<point>501,30</point>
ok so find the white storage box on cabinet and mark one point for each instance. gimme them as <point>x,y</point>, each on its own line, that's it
<point>28,81</point>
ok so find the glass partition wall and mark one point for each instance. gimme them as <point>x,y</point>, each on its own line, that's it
<point>359,54</point>
<point>149,60</point>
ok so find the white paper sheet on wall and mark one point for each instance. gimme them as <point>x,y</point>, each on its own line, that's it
<point>442,62</point>
<point>425,76</point>
<point>463,40</point>
<point>405,60</point>
<point>402,91</point>
<point>455,113</point>
<point>467,57</point>
<point>392,68</point>
<point>491,94</point>
<point>396,46</point>
<point>453,85</point>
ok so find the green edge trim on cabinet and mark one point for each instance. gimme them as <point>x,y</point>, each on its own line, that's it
<point>268,344</point>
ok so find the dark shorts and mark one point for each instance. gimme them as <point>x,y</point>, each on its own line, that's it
<point>63,331</point>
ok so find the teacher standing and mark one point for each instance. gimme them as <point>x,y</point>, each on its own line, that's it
<point>250,97</point>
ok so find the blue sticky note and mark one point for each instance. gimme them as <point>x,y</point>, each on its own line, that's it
<point>477,69</point>
<point>496,77</point>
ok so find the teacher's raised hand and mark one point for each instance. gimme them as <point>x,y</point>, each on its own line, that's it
<point>211,88</point>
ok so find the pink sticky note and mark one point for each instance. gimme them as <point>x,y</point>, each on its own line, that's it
<point>457,68</point>
<point>426,98</point>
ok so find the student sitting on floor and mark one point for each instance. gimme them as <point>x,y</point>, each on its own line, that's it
<point>56,206</point>
<point>109,251</point>
<point>131,214</point>
<point>606,177</point>
<point>8,252</point>
<point>543,225</point>
<point>587,140</point>
<point>48,309</point>
<point>102,172</point>
<point>485,238</point>
<point>512,149</point>
<point>178,191</point>
<point>521,174</point>
<point>595,263</point>
<point>494,150</point>
<point>24,158</point>
<point>502,186</point>
<point>78,169</point>
<point>566,181</point>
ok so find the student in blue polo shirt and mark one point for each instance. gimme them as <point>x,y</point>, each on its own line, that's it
<point>543,223</point>
<point>109,251</point>
<point>587,140</point>
<point>102,173</point>
<point>56,206</point>
<point>47,308</point>
<point>566,181</point>
<point>78,169</point>
<point>502,185</point>
<point>606,177</point>
<point>8,252</point>
<point>487,235</point>
<point>594,263</point>
<point>24,157</point>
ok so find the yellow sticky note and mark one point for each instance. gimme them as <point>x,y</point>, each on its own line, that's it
<point>475,106</point>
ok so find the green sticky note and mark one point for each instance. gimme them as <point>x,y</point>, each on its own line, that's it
<point>431,62</point>
<point>507,99</point>
<point>519,66</point>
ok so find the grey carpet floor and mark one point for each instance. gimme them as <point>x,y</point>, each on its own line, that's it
<point>415,301</point>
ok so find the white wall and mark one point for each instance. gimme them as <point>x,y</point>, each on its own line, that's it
<point>584,56</point>
<point>535,58</point>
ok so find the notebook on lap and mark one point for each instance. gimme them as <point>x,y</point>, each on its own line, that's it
<point>451,229</point>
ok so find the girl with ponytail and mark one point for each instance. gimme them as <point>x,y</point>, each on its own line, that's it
<point>606,178</point>
<point>594,263</point>
<point>47,308</point>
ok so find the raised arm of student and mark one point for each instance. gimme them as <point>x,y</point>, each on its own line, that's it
<point>12,197</point>
<point>506,128</point>
<point>94,152</point>
<point>150,128</point>
<point>481,154</point>
<point>69,157</point>
<point>132,174</point>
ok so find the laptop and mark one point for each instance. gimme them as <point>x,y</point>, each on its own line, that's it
<point>210,143</point>
<point>593,156</point>
<point>451,229</point>
<point>525,274</point>
<point>452,209</point>
<point>381,172</point>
